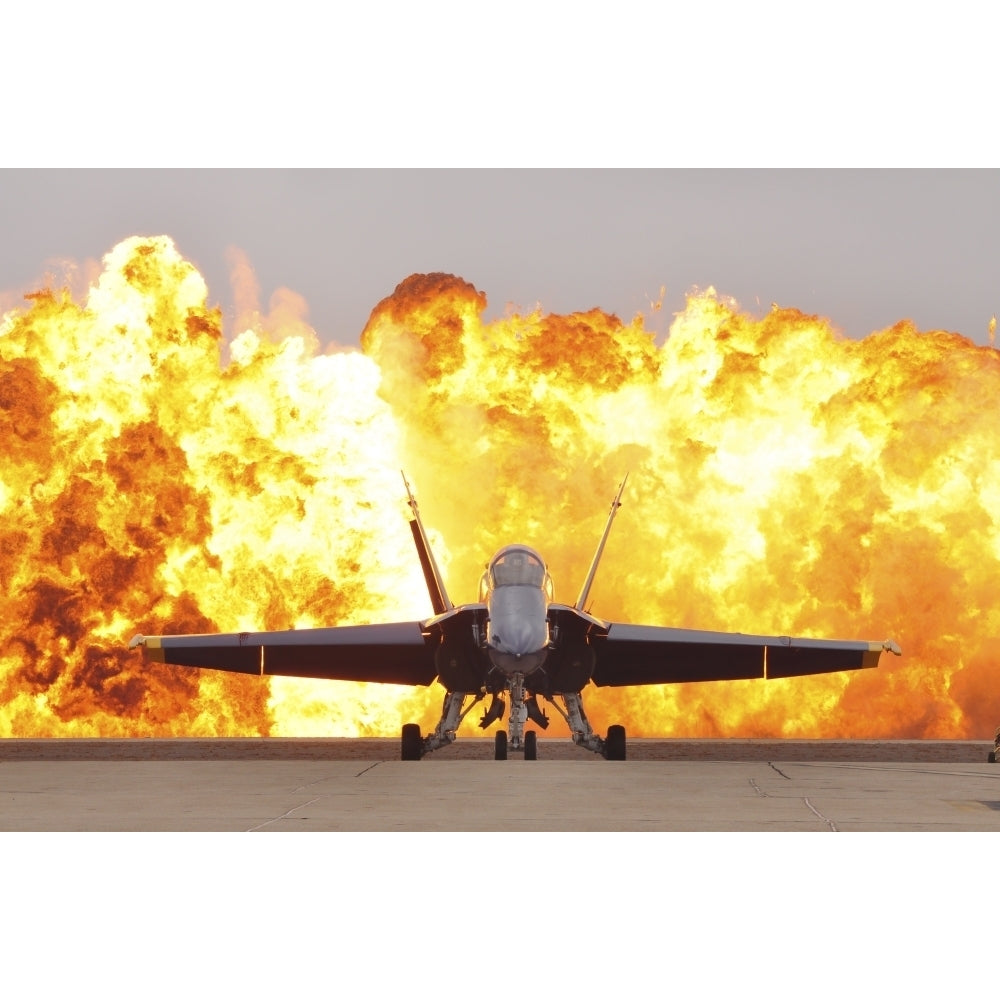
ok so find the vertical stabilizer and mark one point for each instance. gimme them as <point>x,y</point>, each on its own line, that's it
<point>440,601</point>
<point>585,592</point>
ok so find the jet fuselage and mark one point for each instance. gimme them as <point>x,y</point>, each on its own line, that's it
<point>517,589</point>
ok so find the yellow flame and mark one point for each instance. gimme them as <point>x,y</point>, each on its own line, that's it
<point>157,478</point>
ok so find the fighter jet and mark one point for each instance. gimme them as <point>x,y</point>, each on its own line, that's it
<point>514,646</point>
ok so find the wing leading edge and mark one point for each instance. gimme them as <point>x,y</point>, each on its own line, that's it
<point>396,653</point>
<point>628,655</point>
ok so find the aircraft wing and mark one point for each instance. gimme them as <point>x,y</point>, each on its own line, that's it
<point>649,654</point>
<point>397,653</point>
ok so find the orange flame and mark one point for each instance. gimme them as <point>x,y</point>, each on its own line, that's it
<point>782,479</point>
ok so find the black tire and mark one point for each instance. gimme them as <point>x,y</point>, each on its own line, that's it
<point>614,745</point>
<point>500,746</point>
<point>992,757</point>
<point>531,745</point>
<point>413,742</point>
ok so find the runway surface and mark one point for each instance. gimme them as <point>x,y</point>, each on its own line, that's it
<point>361,785</point>
<point>280,748</point>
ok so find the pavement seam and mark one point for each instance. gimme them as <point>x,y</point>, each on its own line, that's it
<point>886,766</point>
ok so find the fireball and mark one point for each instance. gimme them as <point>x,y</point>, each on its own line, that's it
<point>159,476</point>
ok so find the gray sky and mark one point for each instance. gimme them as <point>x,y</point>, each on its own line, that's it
<point>484,91</point>
<point>864,248</point>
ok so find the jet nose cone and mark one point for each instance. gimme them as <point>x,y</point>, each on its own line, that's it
<point>518,637</point>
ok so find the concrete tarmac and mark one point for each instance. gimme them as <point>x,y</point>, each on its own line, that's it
<point>289,785</point>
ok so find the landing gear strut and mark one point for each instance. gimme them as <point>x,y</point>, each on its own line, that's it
<point>613,748</point>
<point>414,746</point>
<point>521,709</point>
<point>515,739</point>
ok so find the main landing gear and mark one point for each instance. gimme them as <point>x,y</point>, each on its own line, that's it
<point>614,745</point>
<point>413,742</point>
<point>612,748</point>
<point>523,706</point>
<point>415,746</point>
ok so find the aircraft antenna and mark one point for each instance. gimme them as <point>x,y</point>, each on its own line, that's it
<point>615,504</point>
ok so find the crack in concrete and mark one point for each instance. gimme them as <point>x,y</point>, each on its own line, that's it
<point>326,777</point>
<point>829,822</point>
<point>301,788</point>
<point>284,815</point>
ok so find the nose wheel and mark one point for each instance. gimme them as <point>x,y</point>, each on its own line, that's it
<point>530,745</point>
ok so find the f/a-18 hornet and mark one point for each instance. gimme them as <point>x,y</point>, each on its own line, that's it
<point>515,645</point>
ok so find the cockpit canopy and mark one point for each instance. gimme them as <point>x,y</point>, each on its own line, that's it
<point>516,566</point>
